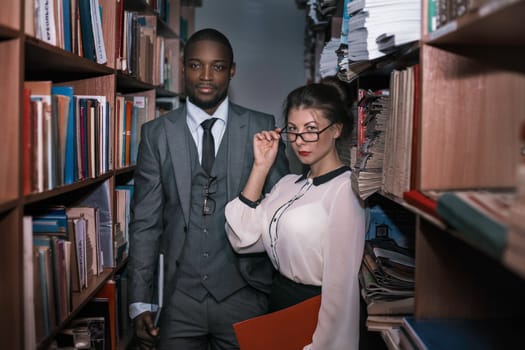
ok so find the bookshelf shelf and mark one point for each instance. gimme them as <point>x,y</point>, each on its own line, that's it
<point>497,23</point>
<point>161,92</point>
<point>128,83</point>
<point>125,171</point>
<point>47,60</point>
<point>8,206</point>
<point>430,218</point>
<point>7,33</point>
<point>56,192</point>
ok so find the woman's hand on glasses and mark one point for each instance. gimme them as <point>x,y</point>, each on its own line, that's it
<point>265,147</point>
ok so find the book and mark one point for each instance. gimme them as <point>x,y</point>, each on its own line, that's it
<point>75,285</point>
<point>44,252</point>
<point>101,198</point>
<point>86,26</point>
<point>50,220</point>
<point>289,328</point>
<point>28,143</point>
<point>456,334</point>
<point>98,35</point>
<point>45,21</point>
<point>29,290</point>
<point>67,131</point>
<point>478,217</point>
<point>108,293</point>
<point>419,200</point>
<point>91,215</point>
<point>41,119</point>
<point>160,290</point>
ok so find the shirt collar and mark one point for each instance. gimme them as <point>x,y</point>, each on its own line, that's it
<point>325,177</point>
<point>196,115</point>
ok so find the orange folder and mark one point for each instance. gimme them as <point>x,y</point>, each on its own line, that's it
<point>287,329</point>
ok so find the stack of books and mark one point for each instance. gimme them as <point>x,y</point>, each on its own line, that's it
<point>372,117</point>
<point>377,27</point>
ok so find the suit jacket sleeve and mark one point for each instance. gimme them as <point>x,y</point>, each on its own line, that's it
<point>146,222</point>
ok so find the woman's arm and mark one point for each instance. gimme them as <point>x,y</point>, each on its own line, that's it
<point>338,323</point>
<point>265,149</point>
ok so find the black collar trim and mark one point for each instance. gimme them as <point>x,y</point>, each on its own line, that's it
<point>326,177</point>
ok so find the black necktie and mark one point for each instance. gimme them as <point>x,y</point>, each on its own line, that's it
<point>208,145</point>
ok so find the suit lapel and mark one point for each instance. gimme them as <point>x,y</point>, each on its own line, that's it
<point>180,157</point>
<point>237,138</point>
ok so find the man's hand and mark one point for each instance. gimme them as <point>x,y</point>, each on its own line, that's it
<point>146,333</point>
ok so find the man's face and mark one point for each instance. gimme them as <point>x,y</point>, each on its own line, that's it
<point>207,73</point>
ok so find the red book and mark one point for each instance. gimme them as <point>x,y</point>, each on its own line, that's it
<point>129,112</point>
<point>420,201</point>
<point>287,329</point>
<point>414,161</point>
<point>26,152</point>
<point>109,291</point>
<point>361,116</point>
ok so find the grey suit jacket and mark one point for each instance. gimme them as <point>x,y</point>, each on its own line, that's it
<point>161,201</point>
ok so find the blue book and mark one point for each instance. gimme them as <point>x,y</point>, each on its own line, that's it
<point>133,142</point>
<point>88,41</point>
<point>70,160</point>
<point>50,220</point>
<point>66,8</point>
<point>461,334</point>
<point>478,217</point>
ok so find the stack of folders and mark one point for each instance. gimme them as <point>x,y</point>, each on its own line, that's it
<point>387,287</point>
<point>372,116</point>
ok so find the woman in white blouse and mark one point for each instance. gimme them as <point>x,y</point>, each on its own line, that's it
<point>312,226</point>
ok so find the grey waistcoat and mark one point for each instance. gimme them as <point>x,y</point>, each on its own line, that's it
<point>207,263</point>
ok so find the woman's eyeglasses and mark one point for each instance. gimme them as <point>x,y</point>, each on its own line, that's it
<point>308,136</point>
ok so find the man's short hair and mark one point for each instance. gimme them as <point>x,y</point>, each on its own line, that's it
<point>211,35</point>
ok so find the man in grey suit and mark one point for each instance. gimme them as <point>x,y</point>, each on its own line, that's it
<point>178,210</point>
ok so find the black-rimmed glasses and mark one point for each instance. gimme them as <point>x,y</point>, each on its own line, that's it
<point>307,136</point>
<point>208,205</point>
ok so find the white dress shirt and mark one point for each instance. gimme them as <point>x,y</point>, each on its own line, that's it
<point>313,230</point>
<point>196,116</point>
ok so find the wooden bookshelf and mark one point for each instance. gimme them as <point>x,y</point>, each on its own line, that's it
<point>10,74</point>
<point>24,57</point>
<point>472,105</point>
<point>10,15</point>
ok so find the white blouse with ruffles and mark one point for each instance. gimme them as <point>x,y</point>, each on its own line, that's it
<point>313,230</point>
